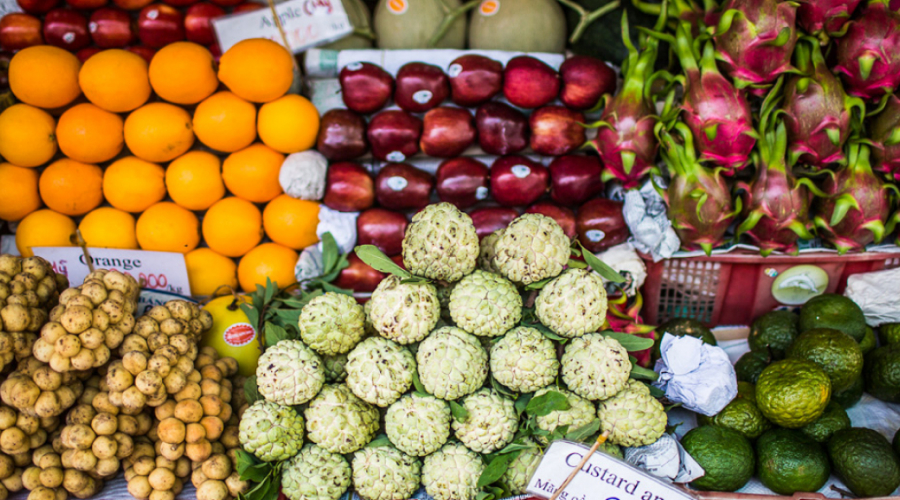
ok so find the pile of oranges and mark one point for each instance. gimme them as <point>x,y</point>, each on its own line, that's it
<point>136,155</point>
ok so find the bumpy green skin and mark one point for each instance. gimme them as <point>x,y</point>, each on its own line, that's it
<point>743,416</point>
<point>580,413</point>
<point>724,454</point>
<point>491,424</point>
<point>452,363</point>
<point>485,304</point>
<point>524,360</point>
<point>335,368</point>
<point>850,396</point>
<point>681,327</point>
<point>332,323</point>
<point>379,371</point>
<point>595,367</point>
<point>404,313</point>
<point>889,333</point>
<point>418,425</point>
<point>440,243</point>
<point>612,450</point>
<point>793,392</point>
<point>532,248</point>
<point>633,416</point>
<point>868,341</point>
<point>573,304</point>
<point>774,332</point>
<point>339,421</point>
<point>834,419</point>
<point>315,474</point>
<point>835,351</point>
<point>750,365</point>
<point>270,431</point>
<point>833,311</point>
<point>746,390</point>
<point>882,373</point>
<point>865,462</point>
<point>522,468</point>
<point>486,253</point>
<point>452,473</point>
<point>289,373</point>
<point>787,461</point>
<point>384,473</point>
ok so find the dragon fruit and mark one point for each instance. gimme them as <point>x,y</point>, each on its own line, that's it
<point>755,40</point>
<point>885,135</point>
<point>700,203</point>
<point>684,10</point>
<point>825,18</point>
<point>817,110</point>
<point>858,204</point>
<point>868,56</point>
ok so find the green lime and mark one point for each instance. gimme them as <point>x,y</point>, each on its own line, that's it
<point>865,462</point>
<point>831,310</point>
<point>681,327</point>
<point>851,395</point>
<point>750,365</point>
<point>868,342</point>
<point>746,390</point>
<point>773,332</point>
<point>889,333</point>
<point>834,418</point>
<point>742,415</point>
<point>788,462</point>
<point>793,392</point>
<point>835,351</point>
<point>882,373</point>
<point>724,454</point>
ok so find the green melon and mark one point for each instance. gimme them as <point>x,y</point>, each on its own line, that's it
<point>410,24</point>
<point>518,25</point>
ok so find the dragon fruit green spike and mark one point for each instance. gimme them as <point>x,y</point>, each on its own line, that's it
<point>485,304</point>
<point>825,18</point>
<point>532,248</point>
<point>418,424</point>
<point>385,473</point>
<point>404,312</point>
<point>452,363</point>
<point>289,373</point>
<point>868,56</point>
<point>633,416</point>
<point>452,473</point>
<point>440,243</point>
<point>573,304</point>
<point>595,367</point>
<point>885,134</point>
<point>332,323</point>
<point>315,474</point>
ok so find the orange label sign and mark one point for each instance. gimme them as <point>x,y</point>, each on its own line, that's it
<point>397,6</point>
<point>489,7</point>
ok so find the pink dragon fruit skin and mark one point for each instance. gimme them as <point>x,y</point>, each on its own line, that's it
<point>885,135</point>
<point>824,18</point>
<point>868,56</point>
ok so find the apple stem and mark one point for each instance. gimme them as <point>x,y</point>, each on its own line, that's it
<point>449,19</point>
<point>587,18</point>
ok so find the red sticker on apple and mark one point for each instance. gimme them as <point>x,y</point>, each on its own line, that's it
<point>239,334</point>
<point>489,7</point>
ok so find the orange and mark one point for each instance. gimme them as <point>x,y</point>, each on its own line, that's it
<point>257,69</point>
<point>19,191</point>
<point>116,80</point>
<point>159,132</point>
<point>252,173</point>
<point>27,135</point>
<point>269,260</point>
<point>71,187</point>
<point>166,227</point>
<point>107,227</point>
<point>183,73</point>
<point>232,226</point>
<point>194,180</point>
<point>292,222</point>
<point>133,185</point>
<point>90,134</point>
<point>289,124</point>
<point>44,76</point>
<point>207,271</point>
<point>225,122</point>
<point>44,228</point>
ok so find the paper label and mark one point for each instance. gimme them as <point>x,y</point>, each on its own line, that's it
<point>454,70</point>
<point>422,96</point>
<point>395,156</point>
<point>521,171</point>
<point>595,235</point>
<point>239,334</point>
<point>489,7</point>
<point>397,7</point>
<point>152,14</point>
<point>481,193</point>
<point>397,183</point>
<point>8,7</point>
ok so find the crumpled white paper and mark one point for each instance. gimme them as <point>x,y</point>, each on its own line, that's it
<point>695,374</point>
<point>647,217</point>
<point>876,294</point>
<point>624,258</point>
<point>341,225</point>
<point>310,264</point>
<point>665,459</point>
<point>302,175</point>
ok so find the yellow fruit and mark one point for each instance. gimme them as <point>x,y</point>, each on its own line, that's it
<point>44,228</point>
<point>231,333</point>
<point>289,124</point>
<point>44,76</point>
<point>72,188</point>
<point>116,80</point>
<point>257,69</point>
<point>232,226</point>
<point>252,173</point>
<point>183,73</point>
<point>208,271</point>
<point>225,122</point>
<point>107,227</point>
<point>269,260</point>
<point>133,185</point>
<point>89,134</point>
<point>27,135</point>
<point>292,222</point>
<point>166,227</point>
<point>159,132</point>
<point>19,191</point>
<point>194,180</point>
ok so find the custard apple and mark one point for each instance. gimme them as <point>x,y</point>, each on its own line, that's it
<point>339,421</point>
<point>491,423</point>
<point>595,367</point>
<point>532,248</point>
<point>315,474</point>
<point>452,363</point>
<point>379,371</point>
<point>385,473</point>
<point>332,323</point>
<point>452,473</point>
<point>270,431</point>
<point>335,367</point>
<point>404,313</point>
<point>485,304</point>
<point>289,373</point>
<point>580,413</point>
<point>440,243</point>
<point>633,416</point>
<point>572,304</point>
<point>418,425</point>
<point>524,360</point>
<point>520,470</point>
<point>486,252</point>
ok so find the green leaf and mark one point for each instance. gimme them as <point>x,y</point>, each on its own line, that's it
<point>546,403</point>
<point>602,269</point>
<point>585,431</point>
<point>328,287</point>
<point>630,342</point>
<point>274,334</point>
<point>458,411</point>
<point>537,285</point>
<point>379,442</point>
<point>577,264</point>
<point>371,255</point>
<point>522,403</point>
<point>414,280</point>
<point>330,253</point>
<point>252,314</point>
<point>250,468</point>
<point>496,468</point>
<point>640,373</point>
<point>418,383</point>
<point>289,316</point>
<point>656,392</point>
<point>271,290</point>
<point>497,386</point>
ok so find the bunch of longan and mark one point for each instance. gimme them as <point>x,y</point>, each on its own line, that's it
<point>152,477</point>
<point>36,389</point>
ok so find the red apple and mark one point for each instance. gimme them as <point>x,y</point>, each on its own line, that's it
<point>518,181</point>
<point>563,216</point>
<point>474,79</point>
<point>420,87</point>
<point>399,186</point>
<point>85,54</point>
<point>488,220</point>
<point>394,135</point>
<point>601,225</point>
<point>348,187</point>
<point>146,52</point>
<point>462,181</point>
<point>227,3</point>
<point>67,29</point>
<point>502,129</point>
<point>5,58</point>
<point>585,80</point>
<point>575,179</point>
<point>529,82</point>
<point>159,25</point>
<point>86,4</point>
<point>180,3</point>
<point>131,4</point>
<point>245,7</point>
<point>365,87</point>
<point>447,132</point>
<point>111,28</point>
<point>342,135</point>
<point>383,228</point>
<point>556,130</point>
<point>216,51</point>
<point>358,276</point>
<point>197,25</point>
<point>37,6</point>
<point>18,31</point>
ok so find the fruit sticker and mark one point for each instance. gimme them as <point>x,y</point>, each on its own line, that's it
<point>481,193</point>
<point>397,7</point>
<point>239,334</point>
<point>454,70</point>
<point>397,183</point>
<point>798,284</point>
<point>489,7</point>
<point>422,96</point>
<point>521,171</point>
<point>595,235</point>
<point>395,156</point>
